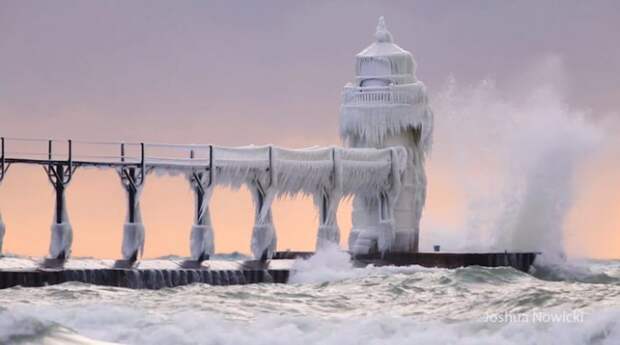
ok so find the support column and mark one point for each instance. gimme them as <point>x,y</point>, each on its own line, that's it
<point>327,202</point>
<point>59,174</point>
<point>132,179</point>
<point>375,231</point>
<point>3,168</point>
<point>388,199</point>
<point>201,238</point>
<point>264,239</point>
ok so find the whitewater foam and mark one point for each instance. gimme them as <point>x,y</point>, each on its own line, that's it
<point>375,305</point>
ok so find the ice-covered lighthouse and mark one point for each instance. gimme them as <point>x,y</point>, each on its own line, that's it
<point>387,106</point>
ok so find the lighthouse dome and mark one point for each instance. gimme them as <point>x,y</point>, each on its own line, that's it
<point>383,62</point>
<point>386,99</point>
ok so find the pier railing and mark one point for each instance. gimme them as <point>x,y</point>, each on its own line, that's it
<point>408,94</point>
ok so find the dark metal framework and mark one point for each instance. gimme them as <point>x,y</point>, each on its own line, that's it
<point>59,175</point>
<point>4,166</point>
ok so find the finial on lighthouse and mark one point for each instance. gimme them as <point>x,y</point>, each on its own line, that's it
<point>382,34</point>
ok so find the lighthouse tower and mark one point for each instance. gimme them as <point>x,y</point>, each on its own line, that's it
<point>387,106</point>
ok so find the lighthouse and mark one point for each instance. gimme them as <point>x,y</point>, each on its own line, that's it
<point>387,106</point>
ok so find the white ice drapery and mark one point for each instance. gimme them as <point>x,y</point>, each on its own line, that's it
<point>326,174</point>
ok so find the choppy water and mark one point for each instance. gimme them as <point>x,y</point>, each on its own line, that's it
<point>331,303</point>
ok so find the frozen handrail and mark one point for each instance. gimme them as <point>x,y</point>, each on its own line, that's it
<point>305,171</point>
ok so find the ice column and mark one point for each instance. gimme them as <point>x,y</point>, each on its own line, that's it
<point>387,204</point>
<point>201,237</point>
<point>327,202</point>
<point>59,175</point>
<point>132,179</point>
<point>264,239</point>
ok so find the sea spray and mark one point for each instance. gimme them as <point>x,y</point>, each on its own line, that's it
<point>329,263</point>
<point>513,156</point>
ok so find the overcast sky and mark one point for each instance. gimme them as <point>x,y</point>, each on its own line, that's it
<point>234,72</point>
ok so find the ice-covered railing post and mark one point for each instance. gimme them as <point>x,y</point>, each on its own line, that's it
<point>3,168</point>
<point>132,179</point>
<point>201,237</point>
<point>387,106</point>
<point>59,174</point>
<point>264,239</point>
<point>327,201</point>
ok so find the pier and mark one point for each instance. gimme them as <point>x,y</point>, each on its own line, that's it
<point>325,174</point>
<point>159,274</point>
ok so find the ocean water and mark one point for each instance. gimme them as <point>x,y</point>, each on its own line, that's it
<point>329,302</point>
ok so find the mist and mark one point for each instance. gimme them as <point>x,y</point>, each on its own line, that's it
<point>516,158</point>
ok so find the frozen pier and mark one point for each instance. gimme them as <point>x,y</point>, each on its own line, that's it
<point>146,274</point>
<point>327,175</point>
<point>158,274</point>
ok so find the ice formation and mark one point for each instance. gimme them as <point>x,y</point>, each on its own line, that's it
<point>61,230</point>
<point>62,238</point>
<point>201,237</point>
<point>387,106</point>
<point>326,174</point>
<point>133,230</point>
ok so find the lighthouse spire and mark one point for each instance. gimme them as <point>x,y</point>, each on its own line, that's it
<point>383,34</point>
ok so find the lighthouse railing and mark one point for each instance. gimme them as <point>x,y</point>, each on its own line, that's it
<point>394,94</point>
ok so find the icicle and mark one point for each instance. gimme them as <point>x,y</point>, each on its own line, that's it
<point>201,238</point>
<point>372,123</point>
<point>327,202</point>
<point>263,234</point>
